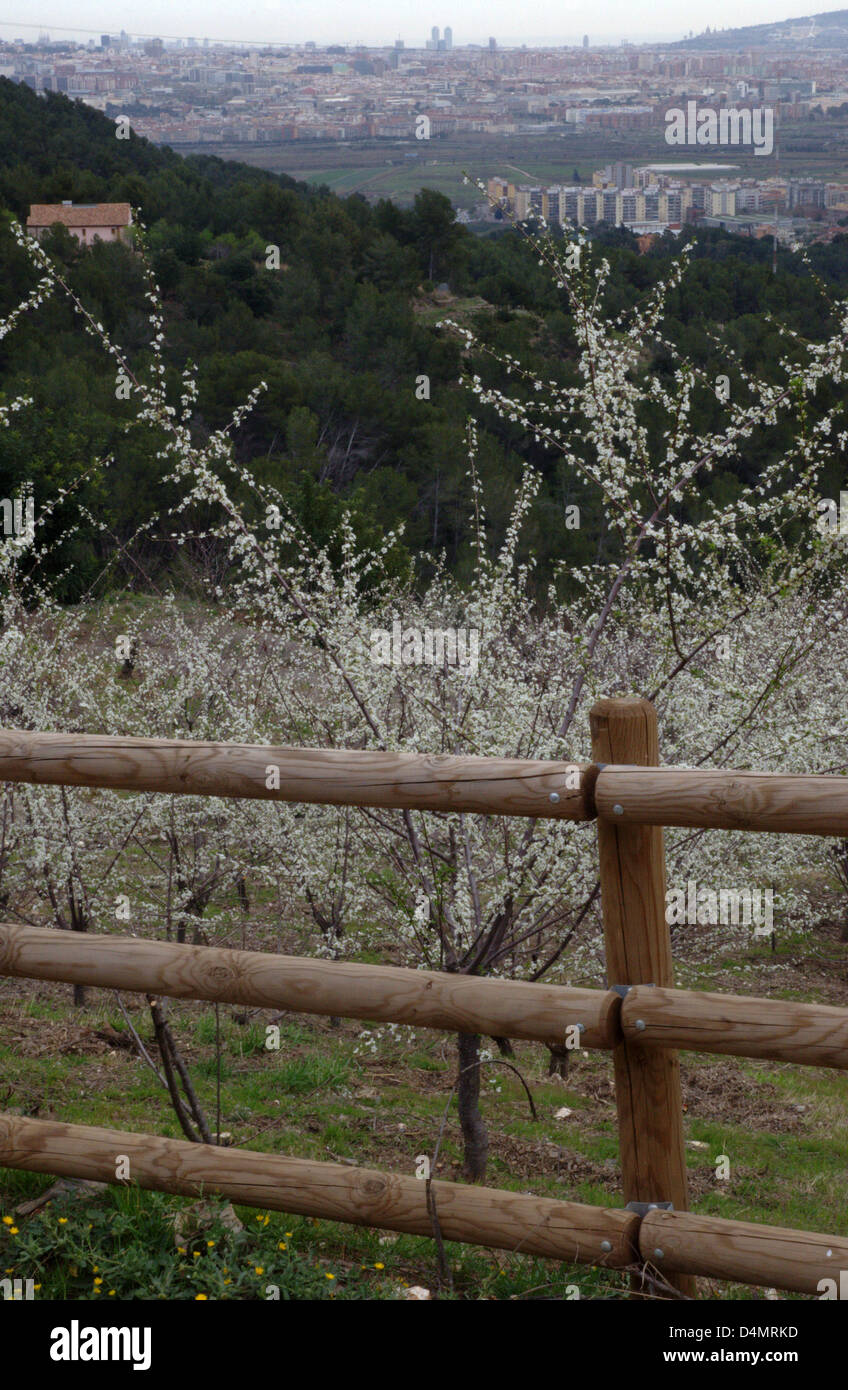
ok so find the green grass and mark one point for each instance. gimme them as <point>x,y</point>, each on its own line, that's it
<point>124,1245</point>
<point>324,1094</point>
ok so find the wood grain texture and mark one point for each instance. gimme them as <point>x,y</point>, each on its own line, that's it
<point>723,800</point>
<point>333,777</point>
<point>361,1196</point>
<point>815,1035</point>
<point>427,998</point>
<point>638,951</point>
<point>742,1251</point>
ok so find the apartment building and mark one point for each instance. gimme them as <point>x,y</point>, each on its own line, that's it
<point>581,206</point>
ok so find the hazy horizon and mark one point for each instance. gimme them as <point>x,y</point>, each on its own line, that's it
<point>377,23</point>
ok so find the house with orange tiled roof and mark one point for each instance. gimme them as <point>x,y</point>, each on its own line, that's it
<point>88,222</point>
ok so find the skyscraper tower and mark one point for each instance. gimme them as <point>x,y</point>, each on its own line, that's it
<point>448,37</point>
<point>434,35</point>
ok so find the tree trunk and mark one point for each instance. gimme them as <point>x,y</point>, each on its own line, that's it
<point>80,924</point>
<point>474,1133</point>
<point>558,1059</point>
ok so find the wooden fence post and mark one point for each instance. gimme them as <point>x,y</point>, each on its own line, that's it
<point>638,952</point>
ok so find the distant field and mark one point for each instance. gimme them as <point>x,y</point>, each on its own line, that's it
<point>400,182</point>
<point>385,172</point>
<point>382,169</point>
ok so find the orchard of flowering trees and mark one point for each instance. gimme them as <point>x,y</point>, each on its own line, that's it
<point>730,616</point>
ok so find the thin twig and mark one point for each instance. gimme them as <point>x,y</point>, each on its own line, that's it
<point>145,1055</point>
<point>444,1270</point>
<point>171,1081</point>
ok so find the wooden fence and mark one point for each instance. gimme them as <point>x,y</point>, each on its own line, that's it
<point>641,1019</point>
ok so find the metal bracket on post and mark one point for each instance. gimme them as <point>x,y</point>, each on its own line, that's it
<point>624,990</point>
<point>642,1208</point>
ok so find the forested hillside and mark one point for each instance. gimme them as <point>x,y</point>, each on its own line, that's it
<point>341,333</point>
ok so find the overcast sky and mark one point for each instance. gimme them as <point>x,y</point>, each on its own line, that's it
<point>383,21</point>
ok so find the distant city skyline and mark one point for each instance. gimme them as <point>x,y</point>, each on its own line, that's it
<point>378,23</point>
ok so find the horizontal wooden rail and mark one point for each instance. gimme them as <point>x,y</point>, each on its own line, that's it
<point>361,1196</point>
<point>384,993</point>
<point>683,1243</point>
<point>334,777</point>
<point>815,1035</point>
<point>411,781</point>
<point>721,800</point>
<point>735,1025</point>
<point>673,1242</point>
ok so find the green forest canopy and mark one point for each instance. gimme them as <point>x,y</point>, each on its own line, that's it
<point>340,333</point>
